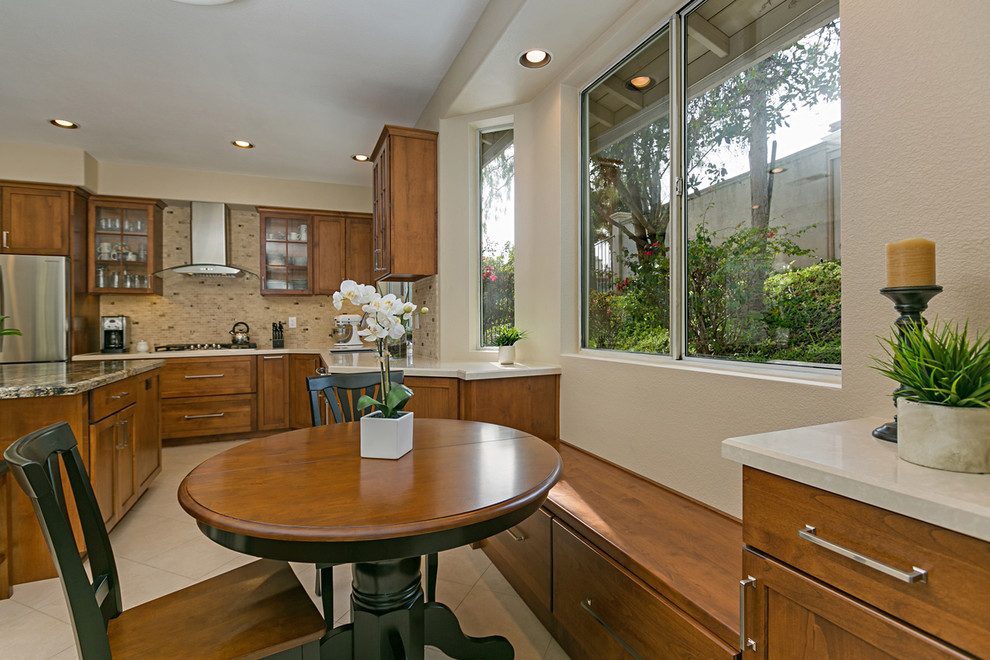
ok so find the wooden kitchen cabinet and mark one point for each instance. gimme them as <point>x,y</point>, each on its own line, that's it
<point>286,252</point>
<point>527,403</point>
<point>300,367</point>
<point>209,396</point>
<point>522,555</point>
<point>790,615</point>
<point>125,245</point>
<point>273,392</point>
<point>405,205</point>
<point>433,396</point>
<point>35,220</point>
<point>343,251</point>
<point>147,430</point>
<point>853,602</point>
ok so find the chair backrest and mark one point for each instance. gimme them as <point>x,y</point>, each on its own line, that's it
<point>34,462</point>
<point>342,392</point>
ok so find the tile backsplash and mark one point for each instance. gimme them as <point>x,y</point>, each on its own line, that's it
<point>195,310</point>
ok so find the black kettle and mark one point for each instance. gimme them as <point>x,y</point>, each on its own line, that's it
<point>241,337</point>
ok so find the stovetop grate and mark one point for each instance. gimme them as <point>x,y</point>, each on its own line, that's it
<point>201,347</point>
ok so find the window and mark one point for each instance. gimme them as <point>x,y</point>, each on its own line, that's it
<point>497,233</point>
<point>752,140</point>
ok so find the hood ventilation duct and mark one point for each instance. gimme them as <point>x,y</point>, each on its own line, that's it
<point>209,237</point>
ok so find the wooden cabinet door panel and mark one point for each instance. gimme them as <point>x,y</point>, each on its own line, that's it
<point>433,397</point>
<point>102,451</point>
<point>522,555</point>
<point>184,377</point>
<point>208,415</point>
<point>330,247</point>
<point>603,610</point>
<point>273,392</point>
<point>792,616</point>
<point>360,250</point>
<point>301,366</point>
<point>105,401</point>
<point>528,403</point>
<point>125,489</point>
<point>147,431</point>
<point>35,221</point>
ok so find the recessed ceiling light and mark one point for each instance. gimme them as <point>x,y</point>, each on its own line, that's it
<point>63,123</point>
<point>640,82</point>
<point>535,58</point>
<point>361,158</point>
<point>778,170</point>
<point>243,144</point>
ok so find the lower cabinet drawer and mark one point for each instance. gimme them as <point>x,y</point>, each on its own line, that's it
<point>212,415</point>
<point>777,513</point>
<point>605,612</point>
<point>184,377</point>
<point>522,555</point>
<point>105,401</point>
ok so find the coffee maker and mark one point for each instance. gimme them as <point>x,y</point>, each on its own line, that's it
<point>113,334</point>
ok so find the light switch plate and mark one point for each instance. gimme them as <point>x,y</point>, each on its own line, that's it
<point>292,321</point>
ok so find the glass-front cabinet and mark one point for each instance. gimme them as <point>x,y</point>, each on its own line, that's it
<point>125,236</point>
<point>286,253</point>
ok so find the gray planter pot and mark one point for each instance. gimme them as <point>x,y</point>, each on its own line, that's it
<point>944,437</point>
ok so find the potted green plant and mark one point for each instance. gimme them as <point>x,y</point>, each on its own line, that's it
<point>943,398</point>
<point>386,432</point>
<point>506,337</point>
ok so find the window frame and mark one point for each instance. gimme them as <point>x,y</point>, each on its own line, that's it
<point>492,126</point>
<point>676,28</point>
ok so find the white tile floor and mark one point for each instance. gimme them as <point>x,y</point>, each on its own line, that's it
<point>159,549</point>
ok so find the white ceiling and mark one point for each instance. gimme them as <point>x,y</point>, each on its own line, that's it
<point>309,82</point>
<point>155,82</point>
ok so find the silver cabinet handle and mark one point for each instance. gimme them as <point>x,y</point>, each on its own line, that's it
<point>586,604</point>
<point>205,376</point>
<point>123,434</point>
<point>5,239</point>
<point>375,253</point>
<point>513,535</point>
<point>745,643</point>
<point>119,396</point>
<point>809,533</point>
<point>203,416</point>
<point>272,357</point>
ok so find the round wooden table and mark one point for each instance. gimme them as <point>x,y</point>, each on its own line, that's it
<point>308,496</point>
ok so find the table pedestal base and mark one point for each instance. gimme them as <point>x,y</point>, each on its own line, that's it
<point>390,620</point>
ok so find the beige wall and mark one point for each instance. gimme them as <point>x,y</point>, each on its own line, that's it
<point>915,145</point>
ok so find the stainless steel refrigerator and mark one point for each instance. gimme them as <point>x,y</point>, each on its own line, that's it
<point>34,295</point>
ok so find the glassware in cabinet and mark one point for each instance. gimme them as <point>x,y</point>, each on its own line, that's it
<point>125,245</point>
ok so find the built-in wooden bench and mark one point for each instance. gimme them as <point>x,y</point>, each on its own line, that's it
<point>614,563</point>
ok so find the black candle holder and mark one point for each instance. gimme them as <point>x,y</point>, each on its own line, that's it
<point>910,301</point>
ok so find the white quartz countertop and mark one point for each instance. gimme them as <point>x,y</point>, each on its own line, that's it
<point>338,362</point>
<point>843,458</point>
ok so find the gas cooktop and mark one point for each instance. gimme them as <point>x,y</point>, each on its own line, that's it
<point>201,347</point>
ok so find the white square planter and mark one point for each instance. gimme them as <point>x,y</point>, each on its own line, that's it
<point>386,438</point>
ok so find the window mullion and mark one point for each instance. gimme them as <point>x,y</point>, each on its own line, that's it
<point>677,244</point>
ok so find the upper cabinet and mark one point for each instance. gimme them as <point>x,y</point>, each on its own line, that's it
<point>405,205</point>
<point>125,245</point>
<point>286,252</point>
<point>343,250</point>
<point>38,218</point>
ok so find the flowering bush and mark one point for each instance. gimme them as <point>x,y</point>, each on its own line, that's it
<point>386,318</point>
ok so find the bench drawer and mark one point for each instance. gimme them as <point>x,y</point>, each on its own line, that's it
<point>605,611</point>
<point>522,555</point>
<point>105,401</point>
<point>957,585</point>
<point>212,415</point>
<point>208,376</point>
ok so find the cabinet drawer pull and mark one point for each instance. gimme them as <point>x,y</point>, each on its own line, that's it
<point>5,239</point>
<point>205,376</point>
<point>119,396</point>
<point>745,643</point>
<point>809,533</point>
<point>586,604</point>
<point>513,535</point>
<point>272,357</point>
<point>202,416</point>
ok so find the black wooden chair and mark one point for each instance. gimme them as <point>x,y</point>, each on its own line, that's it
<point>342,392</point>
<point>256,611</point>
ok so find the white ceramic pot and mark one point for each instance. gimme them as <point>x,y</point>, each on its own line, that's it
<point>944,437</point>
<point>386,438</point>
<point>506,354</point>
<point>142,346</point>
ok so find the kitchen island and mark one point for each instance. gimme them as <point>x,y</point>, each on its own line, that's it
<point>112,407</point>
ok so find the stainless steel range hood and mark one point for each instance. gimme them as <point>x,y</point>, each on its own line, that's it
<point>209,244</point>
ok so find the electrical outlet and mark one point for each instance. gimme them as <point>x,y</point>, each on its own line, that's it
<point>292,321</point>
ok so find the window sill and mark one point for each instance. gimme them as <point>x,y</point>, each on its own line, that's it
<point>830,378</point>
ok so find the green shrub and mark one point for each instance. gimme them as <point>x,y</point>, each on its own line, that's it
<point>807,303</point>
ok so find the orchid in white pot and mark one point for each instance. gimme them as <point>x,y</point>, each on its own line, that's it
<point>386,319</point>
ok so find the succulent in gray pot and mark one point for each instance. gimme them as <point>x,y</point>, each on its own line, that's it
<point>943,398</point>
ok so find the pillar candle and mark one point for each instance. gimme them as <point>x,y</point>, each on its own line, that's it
<point>911,262</point>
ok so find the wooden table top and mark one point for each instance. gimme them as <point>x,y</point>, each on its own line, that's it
<point>311,485</point>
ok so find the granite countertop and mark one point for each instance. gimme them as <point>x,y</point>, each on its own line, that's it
<point>345,363</point>
<point>844,458</point>
<point>213,352</point>
<point>19,381</point>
